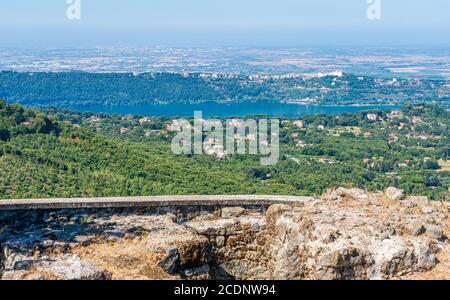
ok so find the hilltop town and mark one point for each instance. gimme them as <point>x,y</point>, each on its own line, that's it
<point>66,89</point>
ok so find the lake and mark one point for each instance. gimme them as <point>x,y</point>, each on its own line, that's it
<point>211,109</point>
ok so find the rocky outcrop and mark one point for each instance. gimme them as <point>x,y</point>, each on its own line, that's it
<point>394,194</point>
<point>65,267</point>
<point>346,234</point>
<point>354,235</point>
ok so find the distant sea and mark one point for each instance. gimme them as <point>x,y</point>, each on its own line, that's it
<point>212,109</point>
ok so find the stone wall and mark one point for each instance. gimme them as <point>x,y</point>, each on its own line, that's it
<point>345,234</point>
<point>190,237</point>
<point>148,202</point>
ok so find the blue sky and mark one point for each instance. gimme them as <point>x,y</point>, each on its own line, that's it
<point>223,23</point>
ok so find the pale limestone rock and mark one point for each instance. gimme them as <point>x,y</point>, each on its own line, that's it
<point>66,267</point>
<point>220,241</point>
<point>352,193</point>
<point>343,264</point>
<point>274,212</point>
<point>425,256</point>
<point>72,268</point>
<point>394,194</point>
<point>346,234</point>
<point>230,212</point>
<point>419,201</point>
<point>213,227</point>
<point>427,210</point>
<point>392,257</point>
<point>417,229</point>
<point>434,231</point>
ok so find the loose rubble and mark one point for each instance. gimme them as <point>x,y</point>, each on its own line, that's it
<point>346,234</point>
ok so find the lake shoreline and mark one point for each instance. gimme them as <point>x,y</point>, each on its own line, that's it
<point>213,109</point>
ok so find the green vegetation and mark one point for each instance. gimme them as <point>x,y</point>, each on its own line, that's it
<point>56,153</point>
<point>77,88</point>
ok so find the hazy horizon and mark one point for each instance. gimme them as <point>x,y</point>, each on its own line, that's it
<point>231,23</point>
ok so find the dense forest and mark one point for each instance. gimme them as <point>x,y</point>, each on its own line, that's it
<point>78,88</point>
<point>58,153</point>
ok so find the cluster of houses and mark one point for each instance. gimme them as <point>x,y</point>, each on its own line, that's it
<point>337,73</point>
<point>383,82</point>
<point>178,125</point>
<point>373,117</point>
<point>373,162</point>
<point>215,76</point>
<point>395,114</point>
<point>94,119</point>
<point>144,120</point>
<point>299,124</point>
<point>215,148</point>
<point>123,130</point>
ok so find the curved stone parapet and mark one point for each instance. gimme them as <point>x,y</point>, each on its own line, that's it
<point>150,201</point>
<point>347,233</point>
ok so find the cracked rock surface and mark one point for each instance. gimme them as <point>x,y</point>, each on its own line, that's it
<point>345,234</point>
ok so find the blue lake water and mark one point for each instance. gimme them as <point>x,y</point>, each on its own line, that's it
<point>211,109</point>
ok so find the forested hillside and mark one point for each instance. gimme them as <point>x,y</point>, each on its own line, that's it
<point>77,88</point>
<point>57,153</point>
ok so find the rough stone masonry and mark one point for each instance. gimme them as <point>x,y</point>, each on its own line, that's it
<point>345,234</point>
